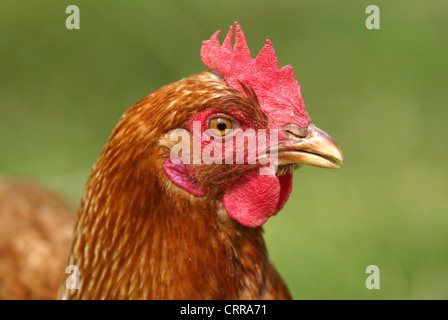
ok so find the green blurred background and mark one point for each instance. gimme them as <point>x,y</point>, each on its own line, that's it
<point>382,94</point>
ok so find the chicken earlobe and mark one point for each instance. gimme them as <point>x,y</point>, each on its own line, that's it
<point>180,175</point>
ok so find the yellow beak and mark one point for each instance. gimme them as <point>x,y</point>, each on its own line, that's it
<point>310,146</point>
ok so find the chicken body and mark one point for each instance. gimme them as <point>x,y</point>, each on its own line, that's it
<point>35,232</point>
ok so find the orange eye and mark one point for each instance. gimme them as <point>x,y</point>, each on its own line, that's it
<point>221,126</point>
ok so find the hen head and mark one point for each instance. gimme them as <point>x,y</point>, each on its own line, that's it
<point>184,174</point>
<point>246,130</point>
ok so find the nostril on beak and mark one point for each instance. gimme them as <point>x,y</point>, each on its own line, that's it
<point>295,131</point>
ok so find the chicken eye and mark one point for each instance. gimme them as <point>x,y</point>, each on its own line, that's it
<point>221,126</point>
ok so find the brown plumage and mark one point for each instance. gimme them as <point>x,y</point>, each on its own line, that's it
<point>36,226</point>
<point>141,237</point>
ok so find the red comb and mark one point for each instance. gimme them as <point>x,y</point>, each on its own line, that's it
<point>277,89</point>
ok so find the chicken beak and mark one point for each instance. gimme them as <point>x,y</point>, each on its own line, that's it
<point>310,146</point>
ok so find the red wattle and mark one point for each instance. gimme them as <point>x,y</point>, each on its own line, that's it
<point>285,189</point>
<point>255,198</point>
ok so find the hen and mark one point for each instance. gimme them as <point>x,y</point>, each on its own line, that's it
<point>174,205</point>
<point>36,227</point>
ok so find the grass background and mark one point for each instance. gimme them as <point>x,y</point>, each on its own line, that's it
<point>382,94</point>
